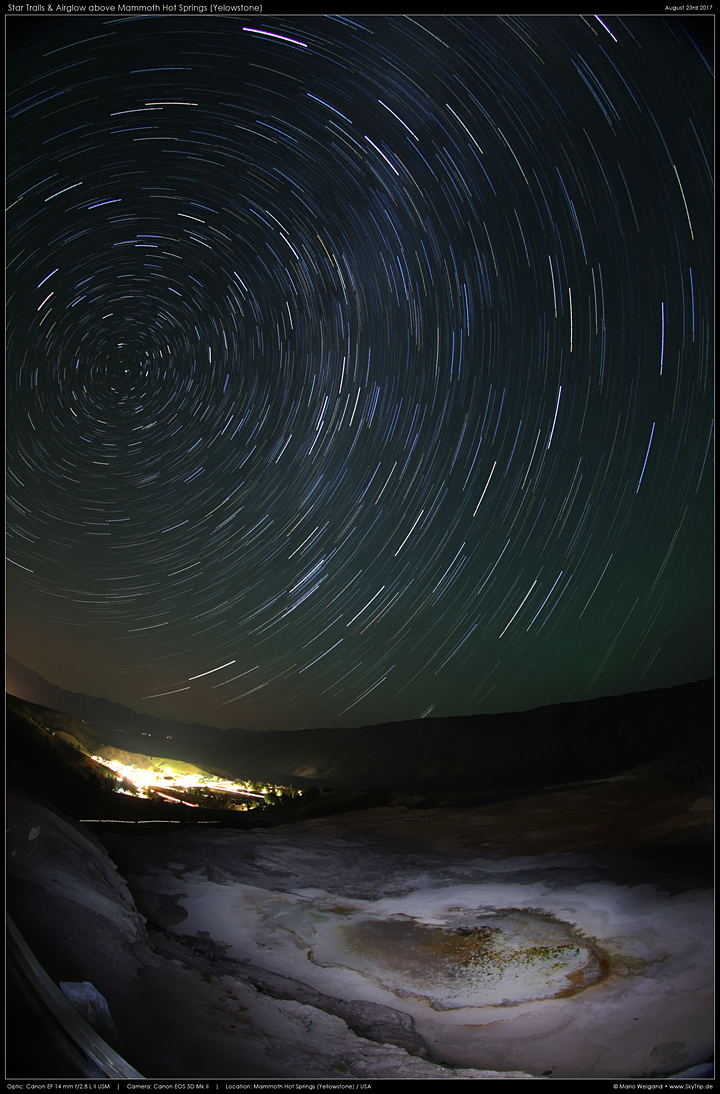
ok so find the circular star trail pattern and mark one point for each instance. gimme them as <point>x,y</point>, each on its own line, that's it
<point>359,368</point>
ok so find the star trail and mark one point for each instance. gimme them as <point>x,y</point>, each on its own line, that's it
<point>359,367</point>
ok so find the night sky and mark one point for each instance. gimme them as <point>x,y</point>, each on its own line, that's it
<point>359,368</point>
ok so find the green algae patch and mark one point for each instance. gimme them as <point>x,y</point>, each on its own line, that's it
<point>500,958</point>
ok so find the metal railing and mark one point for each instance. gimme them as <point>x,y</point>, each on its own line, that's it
<point>81,1046</point>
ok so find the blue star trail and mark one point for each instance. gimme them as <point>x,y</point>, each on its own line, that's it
<point>359,367</point>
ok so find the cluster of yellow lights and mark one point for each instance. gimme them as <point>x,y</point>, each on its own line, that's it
<point>143,779</point>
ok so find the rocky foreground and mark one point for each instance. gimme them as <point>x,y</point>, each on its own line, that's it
<point>563,934</point>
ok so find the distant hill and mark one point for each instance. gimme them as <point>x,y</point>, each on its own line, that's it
<point>46,758</point>
<point>26,684</point>
<point>486,752</point>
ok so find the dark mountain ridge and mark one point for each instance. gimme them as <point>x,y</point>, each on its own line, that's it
<point>546,746</point>
<point>25,683</point>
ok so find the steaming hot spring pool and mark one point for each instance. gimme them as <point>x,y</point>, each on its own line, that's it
<point>449,957</point>
<point>557,964</point>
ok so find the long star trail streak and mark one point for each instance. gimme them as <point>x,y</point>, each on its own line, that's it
<point>338,347</point>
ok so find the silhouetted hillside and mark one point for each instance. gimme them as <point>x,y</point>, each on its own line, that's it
<point>26,684</point>
<point>45,758</point>
<point>546,746</point>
